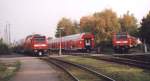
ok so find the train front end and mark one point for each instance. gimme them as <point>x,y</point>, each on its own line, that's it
<point>88,42</point>
<point>121,42</point>
<point>39,45</point>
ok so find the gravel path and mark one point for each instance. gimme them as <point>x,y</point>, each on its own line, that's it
<point>33,69</point>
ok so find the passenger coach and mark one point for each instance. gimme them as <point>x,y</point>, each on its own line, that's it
<point>83,42</point>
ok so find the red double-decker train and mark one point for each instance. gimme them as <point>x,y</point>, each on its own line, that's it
<point>83,42</point>
<point>36,45</point>
<point>122,42</point>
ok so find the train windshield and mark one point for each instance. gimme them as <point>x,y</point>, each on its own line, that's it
<point>39,39</point>
<point>121,37</point>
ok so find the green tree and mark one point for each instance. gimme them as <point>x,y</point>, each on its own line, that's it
<point>1,40</point>
<point>145,28</point>
<point>4,48</point>
<point>68,27</point>
<point>129,23</point>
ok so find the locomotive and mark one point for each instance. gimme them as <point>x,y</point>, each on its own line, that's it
<point>83,42</point>
<point>122,42</point>
<point>34,44</point>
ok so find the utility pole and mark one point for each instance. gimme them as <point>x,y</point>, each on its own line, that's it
<point>145,47</point>
<point>1,31</point>
<point>60,48</point>
<point>7,34</point>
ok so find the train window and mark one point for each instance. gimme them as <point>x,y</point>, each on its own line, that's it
<point>87,42</point>
<point>39,39</point>
<point>121,37</point>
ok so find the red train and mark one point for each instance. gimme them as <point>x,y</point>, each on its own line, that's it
<point>83,42</point>
<point>36,45</point>
<point>122,42</point>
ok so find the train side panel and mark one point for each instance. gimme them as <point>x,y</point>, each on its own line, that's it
<point>78,42</point>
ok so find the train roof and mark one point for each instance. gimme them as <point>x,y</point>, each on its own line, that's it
<point>35,35</point>
<point>75,36</point>
<point>70,37</point>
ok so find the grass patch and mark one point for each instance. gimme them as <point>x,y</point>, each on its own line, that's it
<point>83,75</point>
<point>114,70</point>
<point>7,70</point>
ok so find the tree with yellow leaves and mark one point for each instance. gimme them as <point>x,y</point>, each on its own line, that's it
<point>129,23</point>
<point>68,27</point>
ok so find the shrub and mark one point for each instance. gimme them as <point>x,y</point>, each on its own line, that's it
<point>4,48</point>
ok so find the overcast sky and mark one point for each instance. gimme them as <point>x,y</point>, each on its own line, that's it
<point>41,16</point>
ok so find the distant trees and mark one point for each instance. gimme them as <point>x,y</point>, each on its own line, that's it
<point>106,23</point>
<point>145,28</point>
<point>1,40</point>
<point>101,24</point>
<point>129,23</point>
<point>68,26</point>
<point>87,24</point>
<point>4,48</point>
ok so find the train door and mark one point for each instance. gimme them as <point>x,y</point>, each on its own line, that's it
<point>88,43</point>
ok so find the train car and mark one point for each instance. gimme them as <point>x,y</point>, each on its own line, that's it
<point>36,45</point>
<point>83,42</point>
<point>122,42</point>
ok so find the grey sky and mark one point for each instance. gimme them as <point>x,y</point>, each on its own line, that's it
<point>41,16</point>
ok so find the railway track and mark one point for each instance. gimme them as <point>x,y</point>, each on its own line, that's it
<point>116,59</point>
<point>141,64</point>
<point>77,70</point>
<point>61,67</point>
<point>138,57</point>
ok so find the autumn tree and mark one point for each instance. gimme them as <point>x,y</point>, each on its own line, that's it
<point>106,23</point>
<point>145,28</point>
<point>68,27</point>
<point>102,24</point>
<point>87,24</point>
<point>76,27</point>
<point>129,23</point>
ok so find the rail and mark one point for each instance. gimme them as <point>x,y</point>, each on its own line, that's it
<point>85,68</point>
<point>111,58</point>
<point>136,63</point>
<point>64,69</point>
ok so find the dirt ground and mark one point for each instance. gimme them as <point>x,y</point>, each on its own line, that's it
<point>32,69</point>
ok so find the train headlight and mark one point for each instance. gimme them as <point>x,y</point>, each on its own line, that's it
<point>118,42</point>
<point>124,41</point>
<point>43,45</point>
<point>121,42</point>
<point>37,45</point>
